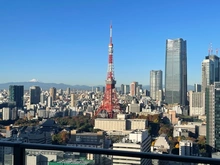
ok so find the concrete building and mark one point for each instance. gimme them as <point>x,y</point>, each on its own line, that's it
<point>53,92</point>
<point>191,128</point>
<point>155,84</point>
<point>42,98</point>
<point>73,100</point>
<point>196,103</point>
<point>6,113</point>
<point>138,141</point>
<point>120,124</point>
<point>68,91</point>
<point>91,140</point>
<point>50,101</point>
<point>34,92</point>
<point>176,72</point>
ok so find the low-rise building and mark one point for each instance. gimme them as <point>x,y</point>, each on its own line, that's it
<point>138,141</point>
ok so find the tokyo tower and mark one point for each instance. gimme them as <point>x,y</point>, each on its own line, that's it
<point>109,103</point>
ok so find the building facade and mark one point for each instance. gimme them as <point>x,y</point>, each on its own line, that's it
<point>212,108</point>
<point>133,88</point>
<point>138,141</point>
<point>35,92</point>
<point>196,103</point>
<point>53,92</point>
<point>155,84</point>
<point>176,72</point>
<point>16,94</point>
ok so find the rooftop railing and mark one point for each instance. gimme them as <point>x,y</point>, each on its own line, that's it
<point>19,153</point>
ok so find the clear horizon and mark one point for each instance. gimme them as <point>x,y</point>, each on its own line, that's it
<point>67,42</point>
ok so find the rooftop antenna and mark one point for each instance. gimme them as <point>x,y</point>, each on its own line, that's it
<point>211,48</point>
<point>217,51</point>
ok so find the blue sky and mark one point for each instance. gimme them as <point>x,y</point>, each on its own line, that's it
<point>67,41</point>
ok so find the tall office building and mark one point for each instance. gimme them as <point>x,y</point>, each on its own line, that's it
<point>122,89</point>
<point>210,71</point>
<point>133,87</point>
<point>73,101</point>
<point>126,89</point>
<point>197,87</point>
<point>42,98</point>
<point>176,72</point>
<point>35,94</point>
<point>53,92</point>
<point>155,83</point>
<point>212,108</point>
<point>16,94</point>
<point>68,91</point>
<point>196,103</point>
<point>207,73</point>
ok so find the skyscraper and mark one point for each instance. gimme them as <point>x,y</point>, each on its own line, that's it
<point>212,108</point>
<point>210,71</point>
<point>16,94</point>
<point>176,72</point>
<point>122,89</point>
<point>133,87</point>
<point>53,92</point>
<point>35,94</point>
<point>155,83</point>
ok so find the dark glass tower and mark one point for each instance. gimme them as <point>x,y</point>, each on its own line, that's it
<point>176,72</point>
<point>35,94</point>
<point>16,94</point>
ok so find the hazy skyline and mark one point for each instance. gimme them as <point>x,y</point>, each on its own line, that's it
<point>67,41</point>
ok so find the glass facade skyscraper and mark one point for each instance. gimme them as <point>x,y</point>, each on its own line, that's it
<point>176,72</point>
<point>155,83</point>
<point>16,94</point>
<point>210,71</point>
<point>212,108</point>
<point>35,92</point>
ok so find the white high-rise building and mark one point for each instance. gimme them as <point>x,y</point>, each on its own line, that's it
<point>6,113</point>
<point>155,84</point>
<point>196,103</point>
<point>50,101</point>
<point>138,141</point>
<point>42,98</point>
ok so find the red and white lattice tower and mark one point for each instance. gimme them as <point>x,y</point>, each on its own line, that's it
<point>110,102</point>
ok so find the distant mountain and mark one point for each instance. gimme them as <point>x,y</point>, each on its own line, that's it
<point>46,86</point>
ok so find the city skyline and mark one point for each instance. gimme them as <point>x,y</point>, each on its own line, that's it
<point>35,38</point>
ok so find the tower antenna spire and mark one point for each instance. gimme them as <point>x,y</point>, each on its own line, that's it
<point>110,103</point>
<point>110,32</point>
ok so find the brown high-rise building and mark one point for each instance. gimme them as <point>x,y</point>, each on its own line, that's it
<point>53,92</point>
<point>133,87</point>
